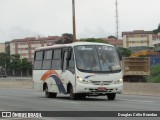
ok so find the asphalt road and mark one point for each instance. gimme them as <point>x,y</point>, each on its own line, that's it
<point>32,100</point>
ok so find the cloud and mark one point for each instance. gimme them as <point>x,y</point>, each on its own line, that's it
<point>17,32</point>
<point>95,33</point>
<point>94,18</point>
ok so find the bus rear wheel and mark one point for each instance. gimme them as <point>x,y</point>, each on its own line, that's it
<point>111,96</point>
<point>49,94</point>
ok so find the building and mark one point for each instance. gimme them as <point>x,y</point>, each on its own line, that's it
<point>137,38</point>
<point>156,42</point>
<point>155,39</point>
<point>26,47</point>
<point>2,47</point>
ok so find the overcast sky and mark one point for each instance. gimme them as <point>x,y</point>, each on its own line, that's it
<point>94,18</point>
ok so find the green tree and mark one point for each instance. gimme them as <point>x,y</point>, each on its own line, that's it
<point>15,63</point>
<point>154,76</point>
<point>15,57</point>
<point>93,40</point>
<point>8,49</point>
<point>4,60</point>
<point>156,31</point>
<point>66,38</point>
<point>111,36</point>
<point>124,51</point>
<point>26,65</point>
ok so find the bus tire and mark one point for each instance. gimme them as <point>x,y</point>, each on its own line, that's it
<point>81,96</point>
<point>111,96</point>
<point>49,94</point>
<point>72,94</point>
<point>53,95</point>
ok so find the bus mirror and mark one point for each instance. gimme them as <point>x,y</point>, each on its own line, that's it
<point>69,56</point>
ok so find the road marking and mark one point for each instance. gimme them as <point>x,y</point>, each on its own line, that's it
<point>137,101</point>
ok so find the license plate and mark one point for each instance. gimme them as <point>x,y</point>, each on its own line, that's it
<point>101,89</point>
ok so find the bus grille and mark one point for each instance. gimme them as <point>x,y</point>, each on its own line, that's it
<point>97,91</point>
<point>101,82</point>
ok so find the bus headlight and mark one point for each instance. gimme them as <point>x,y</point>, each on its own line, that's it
<point>83,80</point>
<point>118,81</point>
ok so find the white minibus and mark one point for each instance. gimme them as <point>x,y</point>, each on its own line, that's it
<point>79,69</point>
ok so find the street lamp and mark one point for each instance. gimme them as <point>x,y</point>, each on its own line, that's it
<point>74,21</point>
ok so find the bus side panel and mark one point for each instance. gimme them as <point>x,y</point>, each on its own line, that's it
<point>52,86</point>
<point>55,82</point>
<point>37,82</point>
<point>68,77</point>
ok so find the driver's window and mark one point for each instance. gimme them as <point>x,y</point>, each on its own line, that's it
<point>65,61</point>
<point>71,63</point>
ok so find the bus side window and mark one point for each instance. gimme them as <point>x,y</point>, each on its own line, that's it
<point>57,60</point>
<point>38,60</point>
<point>47,60</point>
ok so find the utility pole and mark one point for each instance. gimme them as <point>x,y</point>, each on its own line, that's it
<point>74,21</point>
<point>117,19</point>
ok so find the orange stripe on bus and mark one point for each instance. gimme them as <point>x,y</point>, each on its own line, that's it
<point>48,73</point>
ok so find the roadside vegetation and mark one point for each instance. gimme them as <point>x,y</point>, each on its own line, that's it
<point>14,65</point>
<point>124,51</point>
<point>154,74</point>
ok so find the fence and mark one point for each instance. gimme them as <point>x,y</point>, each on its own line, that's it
<point>23,72</point>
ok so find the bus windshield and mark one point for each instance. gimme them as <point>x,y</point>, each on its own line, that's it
<point>96,58</point>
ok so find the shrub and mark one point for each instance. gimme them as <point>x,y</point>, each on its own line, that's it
<point>154,74</point>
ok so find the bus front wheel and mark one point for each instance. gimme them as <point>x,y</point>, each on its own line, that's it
<point>72,94</point>
<point>111,96</point>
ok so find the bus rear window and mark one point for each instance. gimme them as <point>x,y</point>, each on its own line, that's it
<point>39,55</point>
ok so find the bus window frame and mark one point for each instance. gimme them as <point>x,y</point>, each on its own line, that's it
<point>46,60</point>
<point>38,60</point>
<point>60,67</point>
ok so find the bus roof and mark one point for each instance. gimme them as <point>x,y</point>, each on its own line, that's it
<point>71,45</point>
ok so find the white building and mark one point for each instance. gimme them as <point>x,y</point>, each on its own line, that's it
<point>137,38</point>
<point>26,47</point>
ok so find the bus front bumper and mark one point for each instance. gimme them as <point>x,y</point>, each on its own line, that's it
<point>98,90</point>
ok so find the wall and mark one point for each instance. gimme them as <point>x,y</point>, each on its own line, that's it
<point>142,88</point>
